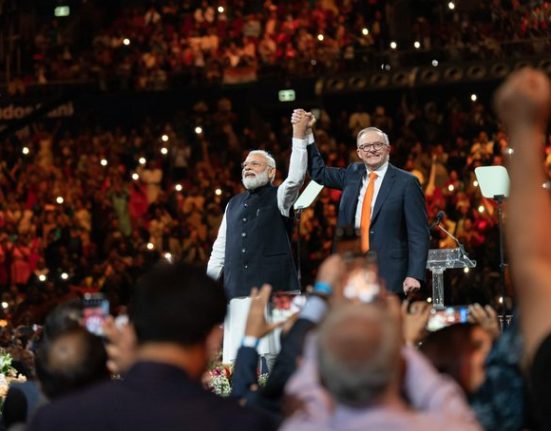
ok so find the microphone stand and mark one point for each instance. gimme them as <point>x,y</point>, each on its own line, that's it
<point>459,245</point>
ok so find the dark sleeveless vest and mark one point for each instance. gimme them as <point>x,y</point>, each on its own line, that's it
<point>258,249</point>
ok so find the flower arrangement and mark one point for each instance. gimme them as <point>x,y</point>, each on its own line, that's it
<point>8,374</point>
<point>218,379</point>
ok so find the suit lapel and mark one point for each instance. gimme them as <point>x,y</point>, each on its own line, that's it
<point>384,191</point>
<point>354,193</point>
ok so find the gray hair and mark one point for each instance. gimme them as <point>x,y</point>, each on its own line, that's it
<point>269,158</point>
<point>359,353</point>
<point>372,129</point>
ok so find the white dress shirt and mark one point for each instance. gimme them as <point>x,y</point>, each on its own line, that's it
<point>381,171</point>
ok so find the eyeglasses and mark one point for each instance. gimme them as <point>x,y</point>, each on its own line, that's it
<point>253,164</point>
<point>370,147</point>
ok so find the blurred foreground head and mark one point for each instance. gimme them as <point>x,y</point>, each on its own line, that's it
<point>73,359</point>
<point>359,354</point>
<point>177,303</point>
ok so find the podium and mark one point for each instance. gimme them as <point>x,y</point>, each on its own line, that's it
<point>438,261</point>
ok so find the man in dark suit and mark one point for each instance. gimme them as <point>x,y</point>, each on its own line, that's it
<point>176,313</point>
<point>386,204</point>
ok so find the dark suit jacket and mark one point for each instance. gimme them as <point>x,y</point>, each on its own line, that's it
<point>245,370</point>
<point>399,232</point>
<point>153,396</point>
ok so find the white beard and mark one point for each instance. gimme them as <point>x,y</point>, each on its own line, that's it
<point>258,180</point>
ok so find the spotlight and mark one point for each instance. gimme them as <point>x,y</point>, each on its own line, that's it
<point>434,63</point>
<point>365,31</point>
<point>5,305</point>
<point>164,138</point>
<point>126,41</point>
<point>25,150</point>
<point>218,192</point>
<point>320,37</point>
<point>451,188</point>
<point>178,187</point>
<point>164,151</point>
<point>474,97</point>
<point>466,270</point>
<point>64,276</point>
<point>42,278</point>
<point>417,44</point>
<point>220,9</point>
<point>142,161</point>
<point>59,200</point>
<point>150,246</point>
<point>451,5</point>
<point>103,162</point>
<point>135,176</point>
<point>198,130</point>
<point>393,45</point>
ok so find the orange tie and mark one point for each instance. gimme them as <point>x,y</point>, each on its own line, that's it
<point>366,211</point>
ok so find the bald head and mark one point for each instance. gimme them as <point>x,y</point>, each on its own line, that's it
<point>359,353</point>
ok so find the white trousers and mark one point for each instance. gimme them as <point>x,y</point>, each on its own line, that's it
<point>234,331</point>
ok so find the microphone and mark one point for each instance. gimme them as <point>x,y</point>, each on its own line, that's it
<point>439,216</point>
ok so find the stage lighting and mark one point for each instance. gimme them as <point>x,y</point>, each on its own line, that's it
<point>451,5</point>
<point>466,270</point>
<point>417,44</point>
<point>42,278</point>
<point>365,31</point>
<point>142,161</point>
<point>393,45</point>
<point>220,9</point>
<point>481,209</point>
<point>198,130</point>
<point>474,97</point>
<point>59,200</point>
<point>135,176</point>
<point>434,63</point>
<point>320,37</point>
<point>178,187</point>
<point>218,192</point>
<point>25,150</point>
<point>126,41</point>
<point>475,183</point>
<point>451,188</point>
<point>150,246</point>
<point>64,276</point>
<point>4,305</point>
<point>164,151</point>
<point>164,138</point>
<point>103,162</point>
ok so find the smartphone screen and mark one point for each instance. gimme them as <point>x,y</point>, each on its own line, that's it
<point>284,304</point>
<point>94,313</point>
<point>448,316</point>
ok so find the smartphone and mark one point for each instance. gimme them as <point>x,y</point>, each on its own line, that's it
<point>95,311</point>
<point>284,304</point>
<point>448,316</point>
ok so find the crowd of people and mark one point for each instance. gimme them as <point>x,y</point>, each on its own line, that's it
<point>154,45</point>
<point>89,210</point>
